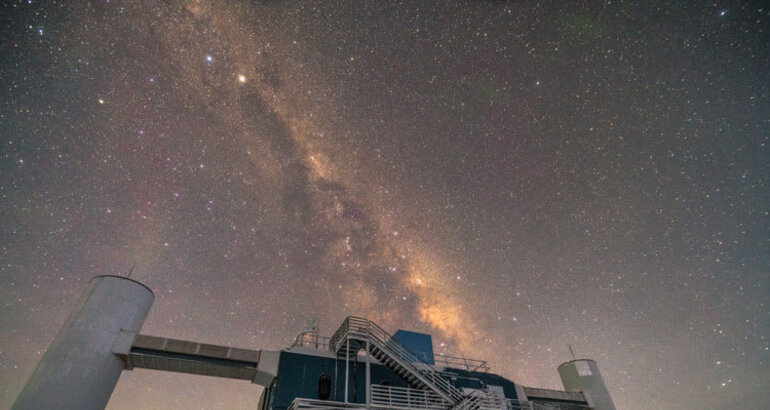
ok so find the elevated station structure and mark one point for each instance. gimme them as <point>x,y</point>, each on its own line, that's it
<point>361,366</point>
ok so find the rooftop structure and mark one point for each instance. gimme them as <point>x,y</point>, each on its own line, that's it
<point>360,366</point>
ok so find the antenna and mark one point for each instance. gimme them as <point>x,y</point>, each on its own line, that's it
<point>571,352</point>
<point>131,271</point>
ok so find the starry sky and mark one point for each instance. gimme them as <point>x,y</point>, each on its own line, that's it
<point>512,177</point>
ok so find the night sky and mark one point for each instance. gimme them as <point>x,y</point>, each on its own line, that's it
<point>512,177</point>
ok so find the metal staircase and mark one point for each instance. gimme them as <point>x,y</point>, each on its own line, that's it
<point>356,333</point>
<point>468,403</point>
<point>481,400</point>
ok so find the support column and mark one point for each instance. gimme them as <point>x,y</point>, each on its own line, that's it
<point>347,366</point>
<point>79,370</point>
<point>368,377</point>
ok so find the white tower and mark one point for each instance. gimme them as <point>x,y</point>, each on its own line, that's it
<point>582,375</point>
<point>79,370</point>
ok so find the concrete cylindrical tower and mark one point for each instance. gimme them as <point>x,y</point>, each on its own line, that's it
<point>79,370</point>
<point>583,375</point>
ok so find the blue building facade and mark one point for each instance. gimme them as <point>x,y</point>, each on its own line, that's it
<point>361,366</point>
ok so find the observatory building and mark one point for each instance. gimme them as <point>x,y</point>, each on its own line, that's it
<point>360,366</point>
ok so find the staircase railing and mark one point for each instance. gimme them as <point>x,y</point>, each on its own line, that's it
<point>392,397</point>
<point>356,326</point>
<point>486,402</point>
<point>464,363</point>
<point>311,340</point>
<point>468,403</point>
<point>315,404</point>
<point>396,349</point>
<point>482,400</point>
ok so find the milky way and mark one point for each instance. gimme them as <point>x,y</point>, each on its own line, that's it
<point>510,177</point>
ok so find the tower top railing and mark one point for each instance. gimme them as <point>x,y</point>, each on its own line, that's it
<point>316,341</point>
<point>311,340</point>
<point>457,362</point>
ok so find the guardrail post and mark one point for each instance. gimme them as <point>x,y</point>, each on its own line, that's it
<point>367,389</point>
<point>347,365</point>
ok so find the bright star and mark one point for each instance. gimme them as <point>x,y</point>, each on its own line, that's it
<point>241,78</point>
<point>209,58</point>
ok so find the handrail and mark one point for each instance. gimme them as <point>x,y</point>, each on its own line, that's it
<point>366,328</point>
<point>311,340</point>
<point>393,397</point>
<point>454,361</point>
<point>302,403</point>
<point>482,400</point>
<point>469,402</point>
<point>412,399</point>
<point>407,355</point>
<point>551,406</point>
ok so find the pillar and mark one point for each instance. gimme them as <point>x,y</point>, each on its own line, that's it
<point>79,370</point>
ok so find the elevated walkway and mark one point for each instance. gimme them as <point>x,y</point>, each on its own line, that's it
<point>180,356</point>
